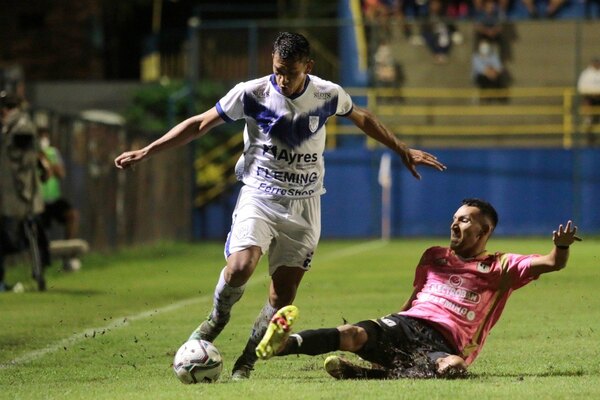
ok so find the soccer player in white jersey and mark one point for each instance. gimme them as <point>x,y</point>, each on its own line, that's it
<point>278,209</point>
<point>459,294</point>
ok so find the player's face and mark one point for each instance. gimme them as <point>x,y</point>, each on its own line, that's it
<point>290,75</point>
<point>467,231</point>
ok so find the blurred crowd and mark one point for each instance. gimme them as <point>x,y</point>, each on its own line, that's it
<point>433,23</point>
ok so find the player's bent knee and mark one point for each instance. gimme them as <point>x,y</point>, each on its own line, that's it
<point>352,337</point>
<point>241,265</point>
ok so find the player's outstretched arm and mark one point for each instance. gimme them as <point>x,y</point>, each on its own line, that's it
<point>179,135</point>
<point>372,127</point>
<point>557,259</point>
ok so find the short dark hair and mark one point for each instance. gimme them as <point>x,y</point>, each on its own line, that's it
<point>291,46</point>
<point>487,210</point>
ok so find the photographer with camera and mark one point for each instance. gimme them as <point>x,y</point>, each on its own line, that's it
<point>20,183</point>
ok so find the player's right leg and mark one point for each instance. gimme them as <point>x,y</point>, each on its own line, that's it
<point>229,290</point>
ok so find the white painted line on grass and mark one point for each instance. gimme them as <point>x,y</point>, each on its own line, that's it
<point>124,321</point>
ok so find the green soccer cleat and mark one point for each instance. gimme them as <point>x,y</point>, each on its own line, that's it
<point>208,330</point>
<point>277,333</point>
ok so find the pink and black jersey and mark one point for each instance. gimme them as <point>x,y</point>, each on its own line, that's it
<point>284,137</point>
<point>464,298</point>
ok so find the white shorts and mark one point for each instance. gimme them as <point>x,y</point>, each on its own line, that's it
<point>288,229</point>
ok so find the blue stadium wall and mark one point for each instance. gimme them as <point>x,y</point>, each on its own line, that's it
<point>533,190</point>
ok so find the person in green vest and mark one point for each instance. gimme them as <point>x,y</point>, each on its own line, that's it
<point>57,207</point>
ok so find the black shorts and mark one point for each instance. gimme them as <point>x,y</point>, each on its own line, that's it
<point>401,342</point>
<point>56,211</point>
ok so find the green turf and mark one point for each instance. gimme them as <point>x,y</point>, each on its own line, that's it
<point>110,330</point>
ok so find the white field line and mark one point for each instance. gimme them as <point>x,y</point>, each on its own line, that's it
<point>124,321</point>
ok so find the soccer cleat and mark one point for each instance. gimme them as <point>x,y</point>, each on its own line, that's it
<point>340,368</point>
<point>245,363</point>
<point>278,331</point>
<point>241,370</point>
<point>208,330</point>
<point>241,374</point>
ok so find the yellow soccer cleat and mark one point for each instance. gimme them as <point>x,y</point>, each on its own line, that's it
<point>277,333</point>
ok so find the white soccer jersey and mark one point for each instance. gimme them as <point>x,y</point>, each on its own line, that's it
<point>284,137</point>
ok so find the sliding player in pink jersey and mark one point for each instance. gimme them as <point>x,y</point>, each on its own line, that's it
<point>459,294</point>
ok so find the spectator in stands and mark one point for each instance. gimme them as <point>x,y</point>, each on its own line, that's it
<point>459,8</point>
<point>387,71</point>
<point>502,7</point>
<point>488,71</point>
<point>20,184</point>
<point>57,207</point>
<point>552,7</point>
<point>378,14</point>
<point>491,25</point>
<point>488,26</point>
<point>439,33</point>
<point>588,87</point>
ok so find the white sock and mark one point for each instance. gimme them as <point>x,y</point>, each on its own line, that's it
<point>224,298</point>
<point>262,322</point>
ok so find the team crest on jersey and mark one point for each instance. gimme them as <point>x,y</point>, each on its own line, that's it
<point>313,123</point>
<point>481,267</point>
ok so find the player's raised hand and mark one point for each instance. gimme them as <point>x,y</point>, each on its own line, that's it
<point>565,235</point>
<point>414,157</point>
<point>129,158</point>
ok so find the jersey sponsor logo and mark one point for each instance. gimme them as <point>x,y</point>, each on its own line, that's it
<point>285,192</point>
<point>313,123</point>
<point>455,292</point>
<point>455,280</point>
<point>457,308</point>
<point>287,176</point>
<point>322,95</point>
<point>289,156</point>
<point>261,93</point>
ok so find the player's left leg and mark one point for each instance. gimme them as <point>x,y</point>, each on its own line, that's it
<point>284,285</point>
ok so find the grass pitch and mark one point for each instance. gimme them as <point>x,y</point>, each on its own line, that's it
<point>110,331</point>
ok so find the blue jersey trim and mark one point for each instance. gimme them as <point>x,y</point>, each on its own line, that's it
<point>222,113</point>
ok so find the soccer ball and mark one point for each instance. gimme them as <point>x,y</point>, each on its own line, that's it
<point>197,361</point>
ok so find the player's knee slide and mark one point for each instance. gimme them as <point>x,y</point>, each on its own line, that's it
<point>352,337</point>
